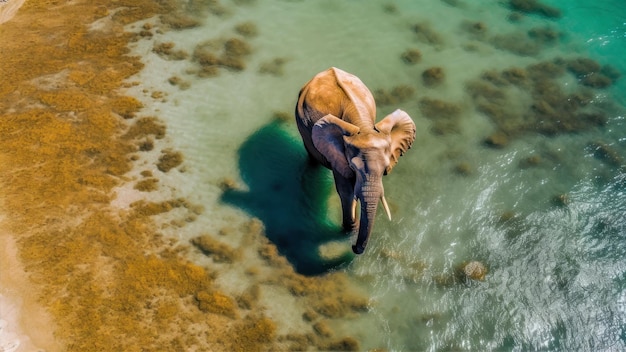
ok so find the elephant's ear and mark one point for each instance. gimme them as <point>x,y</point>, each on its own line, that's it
<point>401,128</point>
<point>328,133</point>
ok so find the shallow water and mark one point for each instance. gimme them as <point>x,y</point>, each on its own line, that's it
<point>544,213</point>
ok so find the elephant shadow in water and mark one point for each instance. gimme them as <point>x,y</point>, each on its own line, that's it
<point>290,195</point>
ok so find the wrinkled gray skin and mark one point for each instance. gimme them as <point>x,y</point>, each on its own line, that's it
<point>336,117</point>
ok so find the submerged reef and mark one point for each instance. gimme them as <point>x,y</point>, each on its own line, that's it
<point>445,116</point>
<point>411,56</point>
<point>396,95</point>
<point>433,76</point>
<point>228,53</point>
<point>535,7</point>
<point>532,99</point>
<point>426,34</point>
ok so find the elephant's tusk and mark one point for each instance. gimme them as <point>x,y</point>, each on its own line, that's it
<point>353,209</point>
<point>386,206</point>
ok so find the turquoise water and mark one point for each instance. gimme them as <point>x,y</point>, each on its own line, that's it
<point>544,214</point>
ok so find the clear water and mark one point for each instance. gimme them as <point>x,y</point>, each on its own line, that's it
<point>556,269</point>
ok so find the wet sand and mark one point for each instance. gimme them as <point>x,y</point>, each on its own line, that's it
<point>104,274</point>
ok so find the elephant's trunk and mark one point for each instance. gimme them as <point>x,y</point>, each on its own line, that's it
<point>369,193</point>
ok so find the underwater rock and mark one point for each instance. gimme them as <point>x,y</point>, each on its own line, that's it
<point>270,254</point>
<point>427,35</point>
<point>463,169</point>
<point>147,185</point>
<point>535,7</point>
<point>217,303</point>
<point>507,216</point>
<point>247,29</point>
<point>515,75</point>
<point>442,127</point>
<point>613,73</point>
<point>515,17</point>
<point>203,54</point>
<point>179,21</point>
<point>230,54</point>
<point>560,200</point>
<point>435,108</point>
<point>402,92</point>
<point>475,270</point>
<point>497,140</point>
<point>165,50</point>
<point>179,82</point>
<point>517,43</point>
<point>144,127</point>
<point>390,8</point>
<point>219,252</point>
<point>249,298</point>
<point>273,67</point>
<point>544,35</point>
<point>299,342</point>
<point>433,76</point>
<point>445,115</point>
<point>546,70</point>
<point>582,66</point>
<point>411,56</point>
<point>596,80</point>
<point>398,94</point>
<point>531,161</point>
<point>494,77</point>
<point>169,159</point>
<point>310,315</point>
<point>606,154</point>
<point>537,101</point>
<point>345,344</point>
<point>323,329</point>
<point>236,47</point>
<point>477,30</point>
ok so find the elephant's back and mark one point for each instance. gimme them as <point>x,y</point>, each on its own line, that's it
<point>334,92</point>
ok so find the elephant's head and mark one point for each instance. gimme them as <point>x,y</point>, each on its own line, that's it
<point>364,154</point>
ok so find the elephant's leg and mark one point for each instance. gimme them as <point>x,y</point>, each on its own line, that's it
<point>345,188</point>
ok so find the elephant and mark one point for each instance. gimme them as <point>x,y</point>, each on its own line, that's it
<point>336,117</point>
